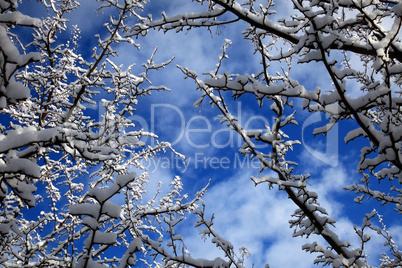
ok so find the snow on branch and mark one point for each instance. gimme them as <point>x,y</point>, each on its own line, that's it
<point>76,166</point>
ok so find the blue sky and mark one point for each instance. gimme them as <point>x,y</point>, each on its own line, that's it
<point>249,216</point>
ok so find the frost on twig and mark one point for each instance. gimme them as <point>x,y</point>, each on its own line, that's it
<point>328,32</point>
<point>68,194</point>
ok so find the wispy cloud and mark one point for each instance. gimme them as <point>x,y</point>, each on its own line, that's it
<point>253,217</point>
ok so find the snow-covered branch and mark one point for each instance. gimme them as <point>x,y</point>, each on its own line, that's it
<point>68,193</point>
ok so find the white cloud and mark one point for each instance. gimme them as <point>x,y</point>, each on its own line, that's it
<point>254,217</point>
<point>257,218</point>
<point>249,216</point>
<point>288,253</point>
